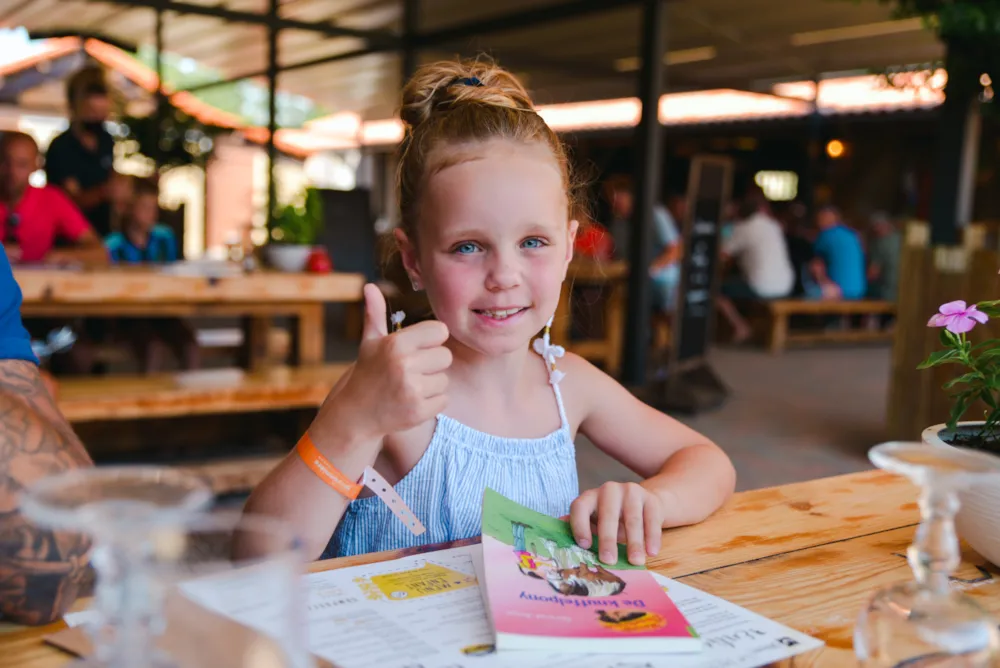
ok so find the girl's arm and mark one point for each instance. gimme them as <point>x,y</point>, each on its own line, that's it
<point>687,477</point>
<point>295,494</point>
<point>398,382</point>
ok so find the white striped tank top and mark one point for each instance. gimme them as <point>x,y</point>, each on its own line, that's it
<point>445,488</point>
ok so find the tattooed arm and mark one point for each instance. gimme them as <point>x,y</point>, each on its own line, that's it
<point>40,570</point>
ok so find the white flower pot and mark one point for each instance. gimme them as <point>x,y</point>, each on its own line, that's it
<point>978,521</point>
<point>288,257</point>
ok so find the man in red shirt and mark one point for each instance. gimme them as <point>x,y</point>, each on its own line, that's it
<point>33,219</point>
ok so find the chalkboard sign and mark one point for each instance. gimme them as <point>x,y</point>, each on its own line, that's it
<point>710,185</point>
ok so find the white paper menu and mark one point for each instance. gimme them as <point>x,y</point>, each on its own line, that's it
<point>427,611</point>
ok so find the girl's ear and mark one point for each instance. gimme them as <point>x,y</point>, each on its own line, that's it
<point>409,254</point>
<point>574,225</point>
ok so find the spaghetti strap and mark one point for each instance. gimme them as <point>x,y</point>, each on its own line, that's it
<point>563,422</point>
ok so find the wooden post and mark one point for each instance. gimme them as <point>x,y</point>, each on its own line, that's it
<point>931,276</point>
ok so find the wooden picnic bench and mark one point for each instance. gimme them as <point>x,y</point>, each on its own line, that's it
<point>118,398</point>
<point>778,312</point>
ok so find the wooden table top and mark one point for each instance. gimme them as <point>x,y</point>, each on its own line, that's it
<point>808,555</point>
<point>152,285</point>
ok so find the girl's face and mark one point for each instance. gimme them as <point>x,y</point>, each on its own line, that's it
<point>493,244</point>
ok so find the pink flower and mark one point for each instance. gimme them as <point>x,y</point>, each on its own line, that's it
<point>957,318</point>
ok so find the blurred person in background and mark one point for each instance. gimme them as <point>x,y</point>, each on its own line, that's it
<point>144,240</point>
<point>757,246</point>
<point>81,159</point>
<point>839,263</point>
<point>664,269</point>
<point>33,220</point>
<point>883,258</point>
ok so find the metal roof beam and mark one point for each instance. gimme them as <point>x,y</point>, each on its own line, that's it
<point>530,18</point>
<point>516,20</point>
<point>384,40</point>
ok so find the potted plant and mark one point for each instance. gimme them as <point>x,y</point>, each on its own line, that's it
<point>293,230</point>
<point>978,520</point>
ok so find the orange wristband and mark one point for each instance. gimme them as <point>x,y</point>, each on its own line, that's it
<point>326,471</point>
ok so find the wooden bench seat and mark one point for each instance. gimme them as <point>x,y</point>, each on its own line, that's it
<point>115,398</point>
<point>196,392</point>
<point>779,311</point>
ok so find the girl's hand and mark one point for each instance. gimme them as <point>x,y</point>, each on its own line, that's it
<point>621,512</point>
<point>400,379</point>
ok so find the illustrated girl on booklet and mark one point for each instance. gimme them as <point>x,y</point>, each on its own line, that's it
<point>571,571</point>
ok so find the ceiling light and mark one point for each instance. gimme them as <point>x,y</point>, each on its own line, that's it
<point>878,29</point>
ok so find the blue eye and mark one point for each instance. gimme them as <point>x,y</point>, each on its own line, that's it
<point>534,242</point>
<point>465,248</point>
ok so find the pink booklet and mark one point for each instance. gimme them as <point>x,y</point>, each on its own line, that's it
<point>544,592</point>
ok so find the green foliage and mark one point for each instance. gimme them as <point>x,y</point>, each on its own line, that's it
<point>179,141</point>
<point>299,222</point>
<point>981,381</point>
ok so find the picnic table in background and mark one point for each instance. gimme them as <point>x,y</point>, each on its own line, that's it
<point>139,291</point>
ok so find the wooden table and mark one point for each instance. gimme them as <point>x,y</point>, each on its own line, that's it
<point>807,555</point>
<point>151,292</point>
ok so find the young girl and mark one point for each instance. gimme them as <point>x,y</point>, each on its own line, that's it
<point>446,408</point>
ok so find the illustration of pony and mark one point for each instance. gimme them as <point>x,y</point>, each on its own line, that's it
<point>570,571</point>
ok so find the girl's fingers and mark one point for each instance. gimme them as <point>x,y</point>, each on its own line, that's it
<point>632,519</point>
<point>609,508</point>
<point>580,513</point>
<point>652,519</point>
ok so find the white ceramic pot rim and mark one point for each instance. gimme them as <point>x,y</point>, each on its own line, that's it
<point>932,435</point>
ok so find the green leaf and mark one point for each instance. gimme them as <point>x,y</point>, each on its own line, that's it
<point>989,354</point>
<point>958,408</point>
<point>967,378</point>
<point>948,339</point>
<point>988,398</point>
<point>940,357</point>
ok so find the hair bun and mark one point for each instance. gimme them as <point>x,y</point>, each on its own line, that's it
<point>437,86</point>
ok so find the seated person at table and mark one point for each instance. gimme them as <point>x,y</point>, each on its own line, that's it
<point>883,258</point>
<point>41,570</point>
<point>757,245</point>
<point>839,265</point>
<point>144,240</point>
<point>475,399</point>
<point>665,267</point>
<point>33,219</point>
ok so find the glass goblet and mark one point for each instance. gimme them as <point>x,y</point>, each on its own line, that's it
<point>120,509</point>
<point>925,622</point>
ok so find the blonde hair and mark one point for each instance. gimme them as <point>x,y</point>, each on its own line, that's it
<point>450,103</point>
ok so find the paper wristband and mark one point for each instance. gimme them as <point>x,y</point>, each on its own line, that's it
<point>371,479</point>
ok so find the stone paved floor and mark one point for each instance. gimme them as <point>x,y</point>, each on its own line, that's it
<point>805,414</point>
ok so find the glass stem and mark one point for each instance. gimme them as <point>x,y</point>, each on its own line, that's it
<point>934,554</point>
<point>128,602</point>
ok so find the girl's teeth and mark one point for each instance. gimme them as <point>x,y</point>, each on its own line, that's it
<point>499,315</point>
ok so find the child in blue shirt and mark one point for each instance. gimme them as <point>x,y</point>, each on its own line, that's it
<point>142,240</point>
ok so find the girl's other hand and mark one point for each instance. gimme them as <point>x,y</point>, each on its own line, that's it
<point>620,512</point>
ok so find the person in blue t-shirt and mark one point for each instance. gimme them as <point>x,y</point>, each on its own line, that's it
<point>42,570</point>
<point>839,265</point>
<point>143,240</point>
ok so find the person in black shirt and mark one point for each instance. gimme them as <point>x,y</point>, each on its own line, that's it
<point>80,159</point>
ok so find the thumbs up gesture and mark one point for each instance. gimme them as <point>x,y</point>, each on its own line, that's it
<point>400,379</point>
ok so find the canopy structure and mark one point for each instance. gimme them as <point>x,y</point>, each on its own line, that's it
<point>350,56</point>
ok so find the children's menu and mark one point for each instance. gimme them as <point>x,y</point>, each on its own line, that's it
<point>427,611</point>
